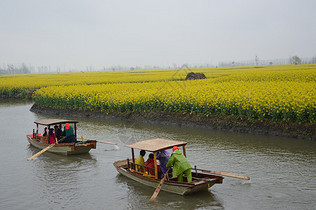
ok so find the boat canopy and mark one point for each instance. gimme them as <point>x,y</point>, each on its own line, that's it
<point>155,145</point>
<point>48,122</point>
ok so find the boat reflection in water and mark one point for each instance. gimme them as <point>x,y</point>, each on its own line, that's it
<point>137,195</point>
<point>61,178</point>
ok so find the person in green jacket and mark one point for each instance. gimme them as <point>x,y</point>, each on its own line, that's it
<point>69,134</point>
<point>180,165</point>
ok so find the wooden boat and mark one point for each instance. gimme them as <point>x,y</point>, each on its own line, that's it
<point>200,180</point>
<point>41,142</point>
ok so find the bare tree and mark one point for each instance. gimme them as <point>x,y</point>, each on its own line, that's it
<point>295,60</point>
<point>256,60</point>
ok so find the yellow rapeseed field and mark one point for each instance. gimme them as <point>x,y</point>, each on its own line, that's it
<point>285,92</point>
<point>11,85</point>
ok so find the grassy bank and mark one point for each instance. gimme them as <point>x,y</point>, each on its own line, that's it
<point>220,122</point>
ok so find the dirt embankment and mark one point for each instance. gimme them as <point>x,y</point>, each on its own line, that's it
<point>228,123</point>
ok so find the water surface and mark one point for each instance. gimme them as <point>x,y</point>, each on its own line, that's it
<point>282,170</point>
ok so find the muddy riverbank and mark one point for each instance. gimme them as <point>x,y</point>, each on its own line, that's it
<point>226,123</point>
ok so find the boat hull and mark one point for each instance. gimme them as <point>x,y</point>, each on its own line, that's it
<point>63,148</point>
<point>180,188</point>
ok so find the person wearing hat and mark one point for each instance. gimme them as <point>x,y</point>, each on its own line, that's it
<point>180,165</point>
<point>69,134</point>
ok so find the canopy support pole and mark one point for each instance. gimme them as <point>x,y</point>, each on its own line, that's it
<point>75,131</point>
<point>156,168</point>
<point>133,156</point>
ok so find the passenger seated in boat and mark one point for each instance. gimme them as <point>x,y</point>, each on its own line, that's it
<point>140,160</point>
<point>52,136</point>
<point>45,132</point>
<point>69,134</point>
<point>151,163</point>
<point>163,158</point>
<point>180,165</point>
<point>58,132</point>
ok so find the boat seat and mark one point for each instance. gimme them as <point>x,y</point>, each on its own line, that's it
<point>42,139</point>
<point>141,173</point>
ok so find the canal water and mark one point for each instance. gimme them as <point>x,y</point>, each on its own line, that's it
<point>282,170</point>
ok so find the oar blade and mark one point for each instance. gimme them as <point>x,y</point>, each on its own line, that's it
<point>227,174</point>
<point>104,142</point>
<point>40,152</point>
<point>155,194</point>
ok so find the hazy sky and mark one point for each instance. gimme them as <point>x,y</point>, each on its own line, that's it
<point>78,33</point>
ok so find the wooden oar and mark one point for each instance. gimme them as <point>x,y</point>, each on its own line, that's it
<point>104,142</point>
<point>226,174</point>
<point>42,151</point>
<point>153,197</point>
<point>45,149</point>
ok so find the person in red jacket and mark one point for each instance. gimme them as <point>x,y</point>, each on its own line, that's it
<point>151,163</point>
<point>52,136</point>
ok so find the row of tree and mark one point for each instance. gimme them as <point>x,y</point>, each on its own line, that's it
<point>292,60</point>
<point>13,69</point>
<point>25,69</point>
